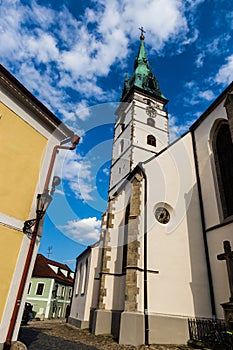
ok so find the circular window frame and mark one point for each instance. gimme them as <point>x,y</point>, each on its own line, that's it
<point>163,213</point>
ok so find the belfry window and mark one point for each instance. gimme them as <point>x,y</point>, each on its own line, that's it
<point>223,152</point>
<point>151,140</point>
<point>121,146</point>
<point>150,122</point>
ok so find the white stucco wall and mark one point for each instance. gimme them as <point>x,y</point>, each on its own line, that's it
<point>176,249</point>
<point>82,302</point>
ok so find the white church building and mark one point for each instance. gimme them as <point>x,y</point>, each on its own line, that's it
<point>169,212</point>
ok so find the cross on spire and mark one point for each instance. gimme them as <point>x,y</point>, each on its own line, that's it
<point>142,35</point>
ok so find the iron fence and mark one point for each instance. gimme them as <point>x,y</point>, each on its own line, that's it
<point>198,328</point>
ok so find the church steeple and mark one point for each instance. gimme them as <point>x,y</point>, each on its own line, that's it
<point>143,78</point>
<point>141,127</point>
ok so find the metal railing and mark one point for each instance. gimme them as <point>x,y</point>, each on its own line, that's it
<point>198,328</point>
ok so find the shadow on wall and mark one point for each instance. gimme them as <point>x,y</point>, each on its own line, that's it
<point>199,284</point>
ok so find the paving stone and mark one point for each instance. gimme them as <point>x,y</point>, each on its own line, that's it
<point>58,335</point>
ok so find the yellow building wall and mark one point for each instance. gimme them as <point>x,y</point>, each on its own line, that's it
<point>10,243</point>
<point>21,154</point>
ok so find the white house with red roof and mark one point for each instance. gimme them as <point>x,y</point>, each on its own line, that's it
<point>50,289</point>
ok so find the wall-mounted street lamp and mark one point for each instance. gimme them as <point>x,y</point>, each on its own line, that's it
<point>43,202</point>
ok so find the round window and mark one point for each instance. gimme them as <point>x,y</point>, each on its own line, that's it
<point>162,215</point>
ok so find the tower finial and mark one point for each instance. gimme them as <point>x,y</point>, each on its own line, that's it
<point>142,35</point>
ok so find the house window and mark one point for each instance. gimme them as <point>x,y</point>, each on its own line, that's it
<point>151,140</point>
<point>55,291</point>
<point>29,287</point>
<point>40,289</point>
<point>70,293</point>
<point>150,122</point>
<point>63,292</point>
<point>223,155</point>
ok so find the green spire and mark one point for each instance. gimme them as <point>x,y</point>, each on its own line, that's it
<point>143,77</point>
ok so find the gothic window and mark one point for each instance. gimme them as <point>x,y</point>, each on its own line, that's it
<point>79,276</point>
<point>125,241</point>
<point>151,122</point>
<point>151,140</point>
<point>223,152</point>
<point>84,277</point>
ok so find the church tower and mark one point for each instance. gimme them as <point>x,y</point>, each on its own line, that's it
<point>141,132</point>
<point>141,128</point>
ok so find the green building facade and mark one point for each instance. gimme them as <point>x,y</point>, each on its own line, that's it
<point>50,289</point>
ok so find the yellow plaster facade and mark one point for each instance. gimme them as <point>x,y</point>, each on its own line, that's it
<point>21,153</point>
<point>10,243</point>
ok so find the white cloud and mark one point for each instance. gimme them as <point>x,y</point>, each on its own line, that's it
<point>77,171</point>
<point>194,3</point>
<point>225,73</point>
<point>206,95</point>
<point>62,193</point>
<point>43,40</point>
<point>106,171</point>
<point>85,231</point>
<point>176,128</point>
<point>200,60</point>
<point>196,95</point>
<point>33,35</point>
<point>82,110</point>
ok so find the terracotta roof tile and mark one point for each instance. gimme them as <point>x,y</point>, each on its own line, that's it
<point>42,269</point>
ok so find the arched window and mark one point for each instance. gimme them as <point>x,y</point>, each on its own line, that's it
<point>223,154</point>
<point>151,140</point>
<point>125,242</point>
<point>151,121</point>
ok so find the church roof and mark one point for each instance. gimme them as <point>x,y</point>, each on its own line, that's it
<point>143,79</point>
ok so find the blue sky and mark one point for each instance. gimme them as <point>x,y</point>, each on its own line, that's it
<point>72,55</point>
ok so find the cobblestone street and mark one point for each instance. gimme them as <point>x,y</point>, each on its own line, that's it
<point>53,335</point>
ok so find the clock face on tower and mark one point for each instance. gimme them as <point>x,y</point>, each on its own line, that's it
<point>151,112</point>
